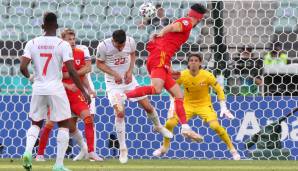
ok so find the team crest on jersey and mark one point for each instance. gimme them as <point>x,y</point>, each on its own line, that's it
<point>78,61</point>
<point>185,22</point>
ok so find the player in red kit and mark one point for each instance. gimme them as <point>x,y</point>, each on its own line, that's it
<point>78,106</point>
<point>161,49</point>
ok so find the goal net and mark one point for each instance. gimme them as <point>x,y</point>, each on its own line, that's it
<point>250,46</point>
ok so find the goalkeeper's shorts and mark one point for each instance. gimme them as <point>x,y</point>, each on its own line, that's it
<point>206,113</point>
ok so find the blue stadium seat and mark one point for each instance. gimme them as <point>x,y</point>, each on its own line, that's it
<point>40,7</point>
<point>93,9</point>
<point>3,9</point>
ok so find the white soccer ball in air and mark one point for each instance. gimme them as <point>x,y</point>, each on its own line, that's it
<point>147,10</point>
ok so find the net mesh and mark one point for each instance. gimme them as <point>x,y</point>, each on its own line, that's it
<point>251,47</point>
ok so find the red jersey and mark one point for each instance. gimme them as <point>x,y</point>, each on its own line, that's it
<point>79,62</point>
<point>172,41</point>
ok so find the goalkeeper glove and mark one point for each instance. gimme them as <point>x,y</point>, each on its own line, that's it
<point>224,111</point>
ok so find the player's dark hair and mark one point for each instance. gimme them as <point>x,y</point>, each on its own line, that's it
<point>194,55</point>
<point>199,8</point>
<point>49,18</point>
<point>158,5</point>
<point>119,36</point>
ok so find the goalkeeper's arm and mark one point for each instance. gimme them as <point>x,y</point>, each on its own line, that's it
<point>224,111</point>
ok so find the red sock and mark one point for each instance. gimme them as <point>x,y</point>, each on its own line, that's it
<point>141,91</point>
<point>179,109</point>
<point>44,137</point>
<point>89,131</point>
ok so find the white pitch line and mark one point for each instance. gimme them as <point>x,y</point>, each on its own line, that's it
<point>127,167</point>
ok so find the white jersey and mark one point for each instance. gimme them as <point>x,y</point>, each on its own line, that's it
<point>48,54</point>
<point>117,60</point>
<point>87,58</point>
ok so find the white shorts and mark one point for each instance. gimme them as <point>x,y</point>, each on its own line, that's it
<point>114,90</point>
<point>58,104</point>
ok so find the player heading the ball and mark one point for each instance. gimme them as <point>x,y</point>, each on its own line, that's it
<point>161,48</point>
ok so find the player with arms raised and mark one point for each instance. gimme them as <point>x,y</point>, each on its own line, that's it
<point>116,58</point>
<point>197,101</point>
<point>48,53</point>
<point>161,49</point>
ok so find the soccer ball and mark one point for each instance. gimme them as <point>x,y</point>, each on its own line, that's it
<point>147,10</point>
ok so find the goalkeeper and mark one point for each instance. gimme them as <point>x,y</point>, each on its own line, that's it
<point>197,101</point>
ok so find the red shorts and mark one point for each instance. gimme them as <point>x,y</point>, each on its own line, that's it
<point>158,66</point>
<point>77,102</point>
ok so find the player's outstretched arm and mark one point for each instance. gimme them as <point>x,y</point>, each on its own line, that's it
<point>76,79</point>
<point>224,111</point>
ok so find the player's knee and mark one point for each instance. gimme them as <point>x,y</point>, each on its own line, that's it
<point>148,108</point>
<point>119,120</point>
<point>120,114</point>
<point>157,89</point>
<point>214,125</point>
<point>88,120</point>
<point>72,129</point>
<point>171,123</point>
<point>85,113</point>
<point>49,124</point>
<point>38,123</point>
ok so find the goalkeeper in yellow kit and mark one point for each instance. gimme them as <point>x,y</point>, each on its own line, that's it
<point>197,102</point>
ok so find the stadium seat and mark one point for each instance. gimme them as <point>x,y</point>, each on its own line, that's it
<point>138,34</point>
<point>3,9</point>
<point>71,2</point>
<point>5,2</point>
<point>20,10</point>
<point>69,9</point>
<point>93,9</point>
<point>119,8</point>
<point>41,5</point>
<point>23,3</point>
<point>14,34</point>
<point>87,34</point>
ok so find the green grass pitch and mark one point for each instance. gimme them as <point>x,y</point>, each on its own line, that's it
<point>158,165</point>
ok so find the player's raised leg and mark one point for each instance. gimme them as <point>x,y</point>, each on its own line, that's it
<point>153,116</point>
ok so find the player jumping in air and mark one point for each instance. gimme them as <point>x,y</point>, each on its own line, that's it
<point>197,102</point>
<point>48,53</point>
<point>161,49</point>
<point>116,58</point>
<point>77,105</point>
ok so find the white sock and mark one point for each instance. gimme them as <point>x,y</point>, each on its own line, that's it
<point>78,136</point>
<point>120,130</point>
<point>154,118</point>
<point>62,144</point>
<point>32,135</point>
<point>95,138</point>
